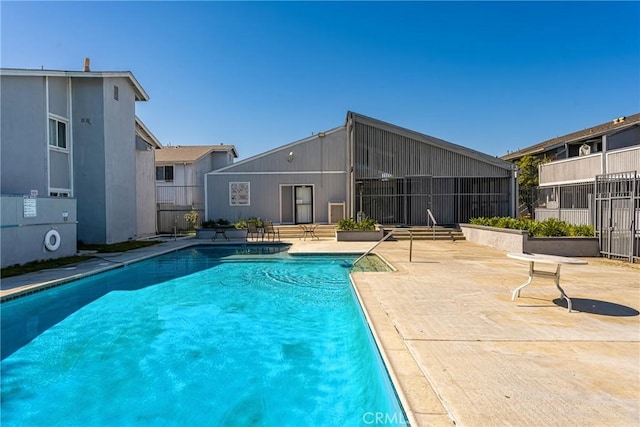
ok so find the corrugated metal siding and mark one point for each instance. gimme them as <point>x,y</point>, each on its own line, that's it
<point>380,153</point>
<point>403,176</point>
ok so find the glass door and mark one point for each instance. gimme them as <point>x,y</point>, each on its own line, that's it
<point>304,204</point>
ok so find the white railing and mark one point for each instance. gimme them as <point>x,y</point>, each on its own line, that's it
<point>571,170</point>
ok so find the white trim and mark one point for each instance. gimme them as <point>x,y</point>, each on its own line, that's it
<point>46,131</point>
<point>145,129</point>
<point>206,200</point>
<point>278,173</point>
<point>574,181</point>
<point>70,114</point>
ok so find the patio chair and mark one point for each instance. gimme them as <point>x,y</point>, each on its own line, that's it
<point>253,231</point>
<point>270,230</point>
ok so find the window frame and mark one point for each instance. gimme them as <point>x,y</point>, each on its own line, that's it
<point>57,121</point>
<point>164,173</point>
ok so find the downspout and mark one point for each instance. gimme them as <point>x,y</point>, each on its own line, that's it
<point>206,199</point>
<point>604,155</point>
<point>515,199</point>
<point>350,156</point>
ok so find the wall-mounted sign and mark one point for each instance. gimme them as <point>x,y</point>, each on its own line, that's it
<point>239,194</point>
<point>29,207</point>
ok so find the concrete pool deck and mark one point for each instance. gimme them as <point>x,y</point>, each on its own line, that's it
<point>461,351</point>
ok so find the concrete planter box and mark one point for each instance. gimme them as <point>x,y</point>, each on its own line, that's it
<point>231,232</point>
<point>359,236</point>
<point>519,241</point>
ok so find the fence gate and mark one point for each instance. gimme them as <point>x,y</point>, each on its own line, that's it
<point>617,215</point>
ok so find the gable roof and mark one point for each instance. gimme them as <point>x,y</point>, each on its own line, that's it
<point>607,128</point>
<point>190,153</point>
<point>427,139</point>
<point>140,93</point>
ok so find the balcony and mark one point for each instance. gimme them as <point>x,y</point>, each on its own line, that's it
<point>585,168</point>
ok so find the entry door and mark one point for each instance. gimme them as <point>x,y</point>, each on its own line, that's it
<point>304,204</point>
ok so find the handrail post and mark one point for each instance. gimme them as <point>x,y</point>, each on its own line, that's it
<point>410,245</point>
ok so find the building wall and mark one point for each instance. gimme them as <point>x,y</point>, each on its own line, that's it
<point>120,160</point>
<point>23,135</point>
<point>22,239</point>
<point>219,160</point>
<point>627,138</point>
<point>380,150</point>
<point>320,162</point>
<point>402,174</point>
<point>145,189</point>
<point>89,159</point>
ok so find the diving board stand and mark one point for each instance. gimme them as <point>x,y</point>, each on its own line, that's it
<point>532,259</point>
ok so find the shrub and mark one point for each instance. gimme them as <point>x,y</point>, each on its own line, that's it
<point>192,219</point>
<point>215,223</point>
<point>243,222</point>
<point>349,224</point>
<point>550,227</point>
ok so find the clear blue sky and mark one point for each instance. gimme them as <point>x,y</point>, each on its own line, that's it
<point>492,76</point>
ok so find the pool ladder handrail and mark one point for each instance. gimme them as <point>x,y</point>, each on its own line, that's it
<point>389,234</point>
<point>433,227</point>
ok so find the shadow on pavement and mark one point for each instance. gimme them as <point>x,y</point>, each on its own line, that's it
<point>593,306</point>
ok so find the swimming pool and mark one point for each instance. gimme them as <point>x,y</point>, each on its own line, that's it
<point>204,336</point>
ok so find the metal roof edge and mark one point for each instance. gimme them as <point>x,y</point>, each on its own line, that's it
<point>427,139</point>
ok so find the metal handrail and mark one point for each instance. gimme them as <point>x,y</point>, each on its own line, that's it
<point>433,228</point>
<point>373,247</point>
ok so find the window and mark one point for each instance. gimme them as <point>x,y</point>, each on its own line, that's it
<point>164,173</point>
<point>57,133</point>
<point>115,92</point>
<point>59,194</point>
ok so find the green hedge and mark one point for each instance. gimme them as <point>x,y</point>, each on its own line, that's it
<point>366,224</point>
<point>550,227</point>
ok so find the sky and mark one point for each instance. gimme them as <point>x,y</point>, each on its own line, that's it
<point>492,76</point>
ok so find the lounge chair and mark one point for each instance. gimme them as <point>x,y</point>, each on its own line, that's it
<point>269,230</point>
<point>253,230</point>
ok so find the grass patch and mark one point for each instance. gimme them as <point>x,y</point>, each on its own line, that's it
<point>117,247</point>
<point>17,270</point>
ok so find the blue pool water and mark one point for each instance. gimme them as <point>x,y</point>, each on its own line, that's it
<point>204,336</point>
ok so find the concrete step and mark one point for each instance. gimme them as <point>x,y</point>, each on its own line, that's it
<point>322,231</point>
<point>328,231</point>
<point>427,233</point>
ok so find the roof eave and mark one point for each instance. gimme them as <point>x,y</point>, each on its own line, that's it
<point>140,93</point>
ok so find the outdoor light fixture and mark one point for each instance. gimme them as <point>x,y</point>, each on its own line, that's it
<point>290,158</point>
